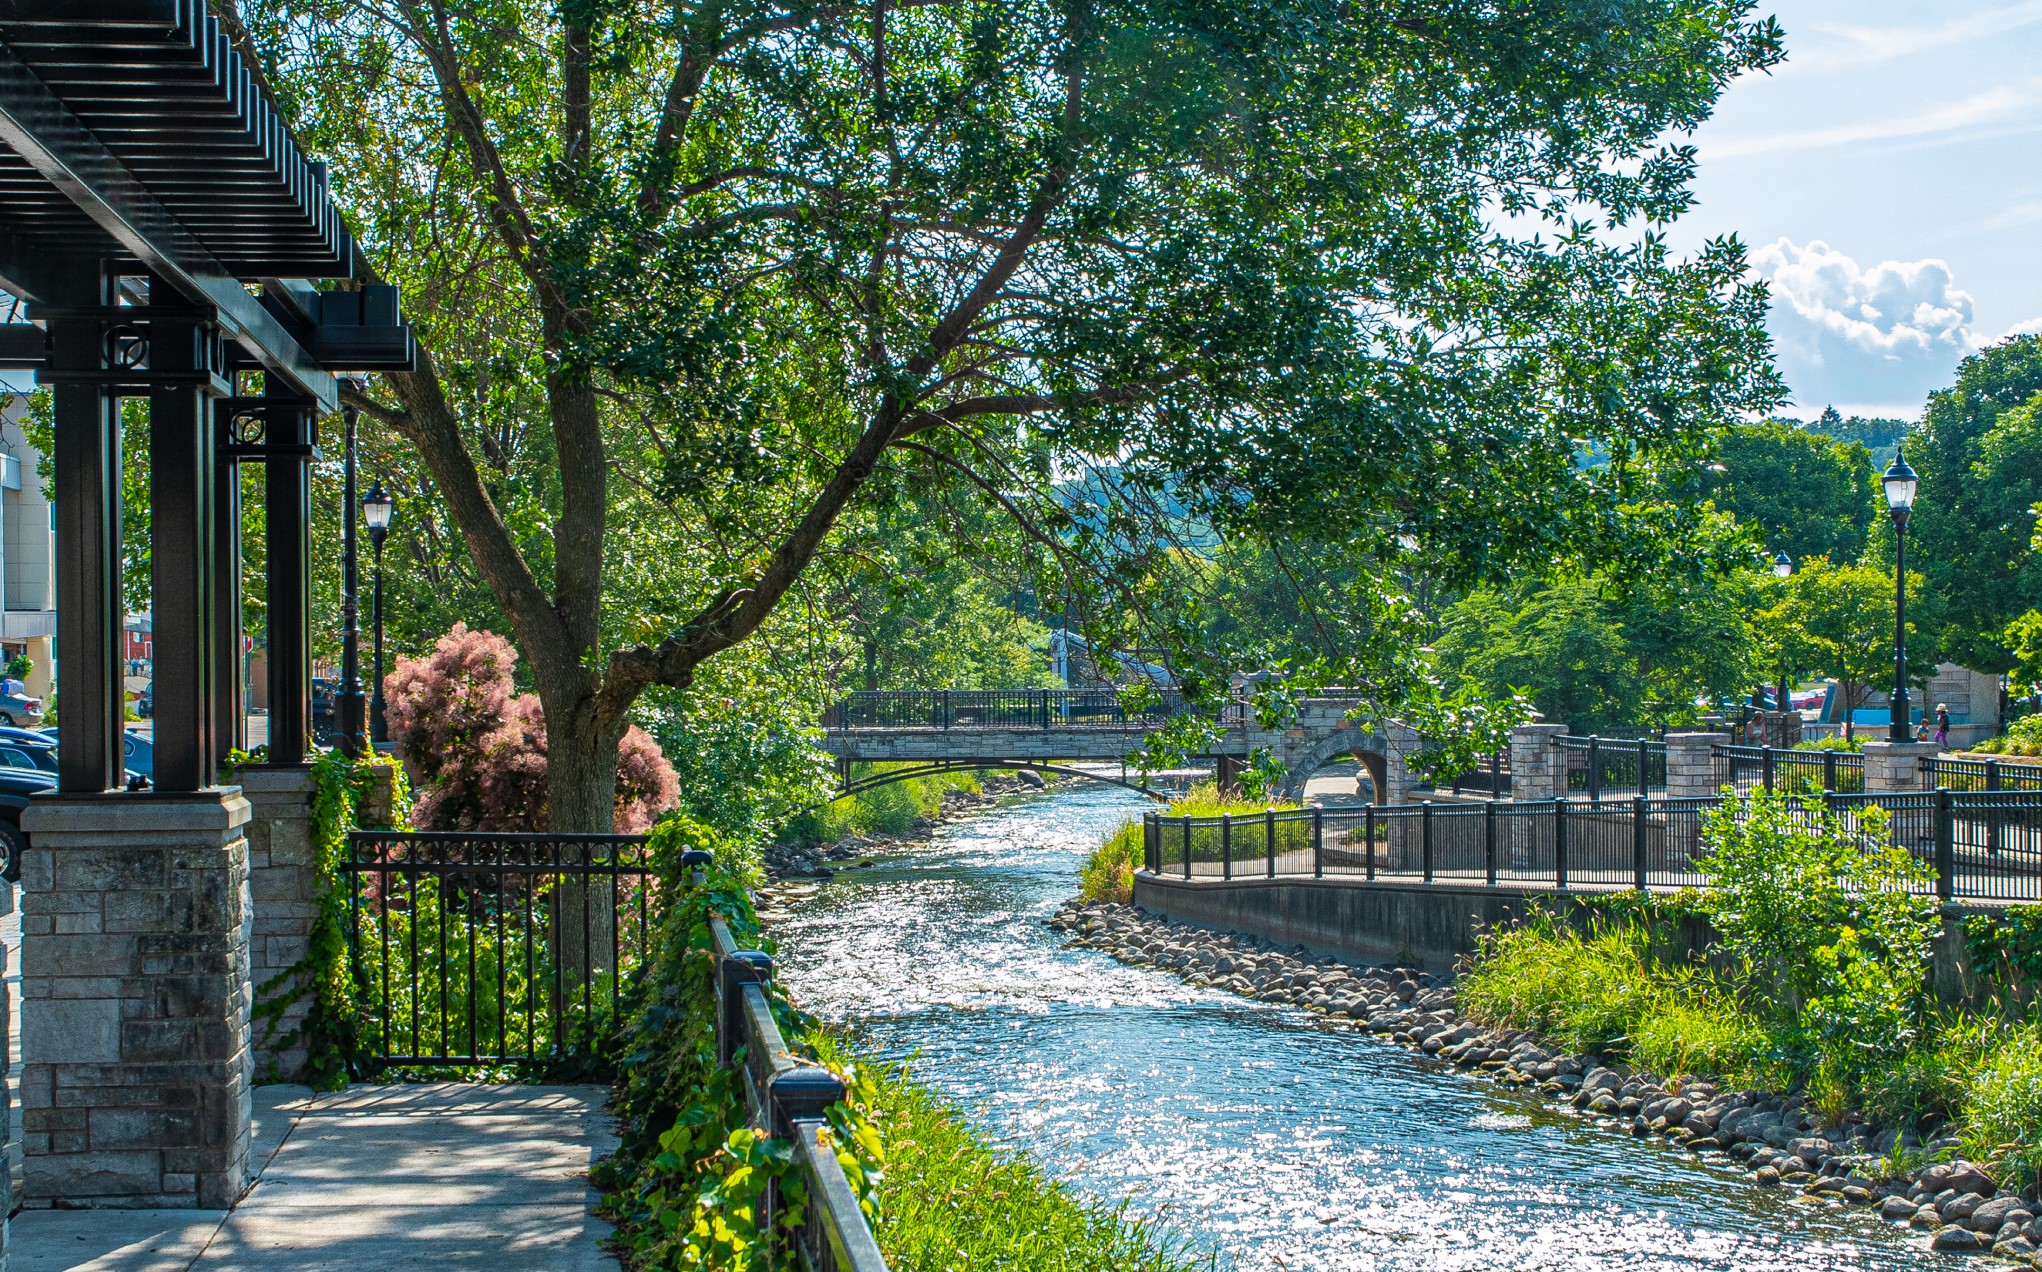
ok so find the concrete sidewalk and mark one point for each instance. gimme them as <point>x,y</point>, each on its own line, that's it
<point>440,1176</point>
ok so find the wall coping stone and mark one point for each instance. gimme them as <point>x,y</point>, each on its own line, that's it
<point>219,808</point>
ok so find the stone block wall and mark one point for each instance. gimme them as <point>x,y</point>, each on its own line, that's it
<point>1691,771</point>
<point>135,1000</point>
<point>283,883</point>
<point>1538,769</point>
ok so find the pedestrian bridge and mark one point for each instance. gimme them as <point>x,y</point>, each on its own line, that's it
<point>936,729</point>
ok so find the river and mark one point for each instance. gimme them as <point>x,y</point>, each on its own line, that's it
<point>1260,1132</point>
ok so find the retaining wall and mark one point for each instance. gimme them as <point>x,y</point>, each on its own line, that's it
<point>1426,925</point>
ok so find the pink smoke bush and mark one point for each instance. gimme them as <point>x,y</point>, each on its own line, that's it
<point>475,749</point>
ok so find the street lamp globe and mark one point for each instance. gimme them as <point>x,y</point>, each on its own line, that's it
<point>377,508</point>
<point>1900,482</point>
<point>1783,565</point>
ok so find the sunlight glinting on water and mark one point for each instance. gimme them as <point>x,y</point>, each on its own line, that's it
<point>1278,1139</point>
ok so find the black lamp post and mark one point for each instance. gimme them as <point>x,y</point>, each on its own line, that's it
<point>1900,483</point>
<point>348,702</point>
<point>1783,569</point>
<point>377,509</point>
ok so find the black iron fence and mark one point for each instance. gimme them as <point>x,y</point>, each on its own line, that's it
<point>789,1098</point>
<point>1981,775</point>
<point>1601,766</point>
<point>995,709</point>
<point>1490,777</point>
<point>475,949</point>
<point>1793,771</point>
<point>1980,845</point>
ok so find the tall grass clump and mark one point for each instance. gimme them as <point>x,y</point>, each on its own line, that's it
<point>893,809</point>
<point>2003,1111</point>
<point>1108,874</point>
<point>948,1200</point>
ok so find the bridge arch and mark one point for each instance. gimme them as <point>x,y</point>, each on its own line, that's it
<point>1363,744</point>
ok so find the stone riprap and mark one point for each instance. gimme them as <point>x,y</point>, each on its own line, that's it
<point>1776,1137</point>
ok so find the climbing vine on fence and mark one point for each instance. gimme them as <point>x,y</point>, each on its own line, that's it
<point>325,975</point>
<point>688,1183</point>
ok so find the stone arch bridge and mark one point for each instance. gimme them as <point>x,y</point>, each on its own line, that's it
<point>936,729</point>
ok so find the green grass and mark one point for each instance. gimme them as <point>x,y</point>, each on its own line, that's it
<point>948,1201</point>
<point>1605,993</point>
<point>885,810</point>
<point>1108,874</point>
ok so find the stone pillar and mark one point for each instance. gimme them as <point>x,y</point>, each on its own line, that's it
<point>10,1188</point>
<point>1538,773</point>
<point>1404,837</point>
<point>1896,766</point>
<point>283,884</point>
<point>1538,769</point>
<point>1691,773</point>
<point>135,1000</point>
<point>1691,765</point>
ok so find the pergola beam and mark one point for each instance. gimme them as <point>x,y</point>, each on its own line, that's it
<point>39,128</point>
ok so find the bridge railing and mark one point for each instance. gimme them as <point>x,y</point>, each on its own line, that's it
<point>1984,845</point>
<point>994,709</point>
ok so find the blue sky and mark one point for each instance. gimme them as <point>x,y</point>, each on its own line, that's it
<point>1888,181</point>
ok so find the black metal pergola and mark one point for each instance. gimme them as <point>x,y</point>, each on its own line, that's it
<point>167,234</point>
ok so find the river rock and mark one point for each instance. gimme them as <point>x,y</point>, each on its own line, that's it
<point>1956,1239</point>
<point>1967,1178</point>
<point>1926,1217</point>
<point>1992,1215</point>
<point>1960,1207</point>
<point>1897,1208</point>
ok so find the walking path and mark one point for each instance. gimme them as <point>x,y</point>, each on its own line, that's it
<point>443,1176</point>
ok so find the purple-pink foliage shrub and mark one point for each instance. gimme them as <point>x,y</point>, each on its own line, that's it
<point>475,749</point>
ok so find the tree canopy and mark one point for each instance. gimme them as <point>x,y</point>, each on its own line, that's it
<point>1807,495</point>
<point>1972,524</point>
<point>703,287</point>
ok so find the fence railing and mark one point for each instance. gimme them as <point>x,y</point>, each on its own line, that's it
<point>1602,766</point>
<point>994,709</point>
<point>789,1098</point>
<point>1789,770</point>
<point>478,949</point>
<point>1981,775</point>
<point>1490,777</point>
<point>1980,845</point>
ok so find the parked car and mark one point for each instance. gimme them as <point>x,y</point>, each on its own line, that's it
<point>28,749</point>
<point>138,753</point>
<point>18,709</point>
<point>17,787</point>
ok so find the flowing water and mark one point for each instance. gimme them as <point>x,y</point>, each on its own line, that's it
<point>1263,1133</point>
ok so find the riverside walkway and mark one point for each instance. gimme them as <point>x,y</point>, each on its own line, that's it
<point>443,1176</point>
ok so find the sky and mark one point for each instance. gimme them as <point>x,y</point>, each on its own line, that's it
<point>1887,182</point>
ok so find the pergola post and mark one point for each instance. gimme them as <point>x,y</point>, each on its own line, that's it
<point>287,500</point>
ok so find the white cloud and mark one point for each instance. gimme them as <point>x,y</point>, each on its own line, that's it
<point>1852,333</point>
<point>2007,103</point>
<point>1854,46</point>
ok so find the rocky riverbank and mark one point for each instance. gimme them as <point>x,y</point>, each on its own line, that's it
<point>1778,1139</point>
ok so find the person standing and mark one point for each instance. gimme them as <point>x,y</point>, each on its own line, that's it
<point>1942,724</point>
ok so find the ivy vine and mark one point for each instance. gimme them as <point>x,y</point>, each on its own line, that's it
<point>329,1029</point>
<point>2005,949</point>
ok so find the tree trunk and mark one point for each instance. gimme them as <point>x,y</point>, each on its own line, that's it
<point>581,794</point>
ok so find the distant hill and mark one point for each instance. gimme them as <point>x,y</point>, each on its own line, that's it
<point>1879,436</point>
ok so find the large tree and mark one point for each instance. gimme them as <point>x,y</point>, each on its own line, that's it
<point>700,281</point>
<point>1971,525</point>
<point>1802,493</point>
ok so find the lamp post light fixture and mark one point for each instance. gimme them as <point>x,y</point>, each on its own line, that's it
<point>348,702</point>
<point>1783,569</point>
<point>1900,482</point>
<point>377,509</point>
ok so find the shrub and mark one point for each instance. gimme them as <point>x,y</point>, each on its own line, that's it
<point>1585,993</point>
<point>1833,927</point>
<point>893,809</point>
<point>476,751</point>
<point>1834,742</point>
<point>2003,1113</point>
<point>1108,874</point>
<point>2023,737</point>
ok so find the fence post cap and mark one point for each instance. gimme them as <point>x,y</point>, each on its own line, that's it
<point>750,965</point>
<point>697,857</point>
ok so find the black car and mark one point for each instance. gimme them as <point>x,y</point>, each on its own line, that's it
<point>17,787</point>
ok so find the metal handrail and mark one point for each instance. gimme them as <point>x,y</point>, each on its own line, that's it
<point>788,1098</point>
